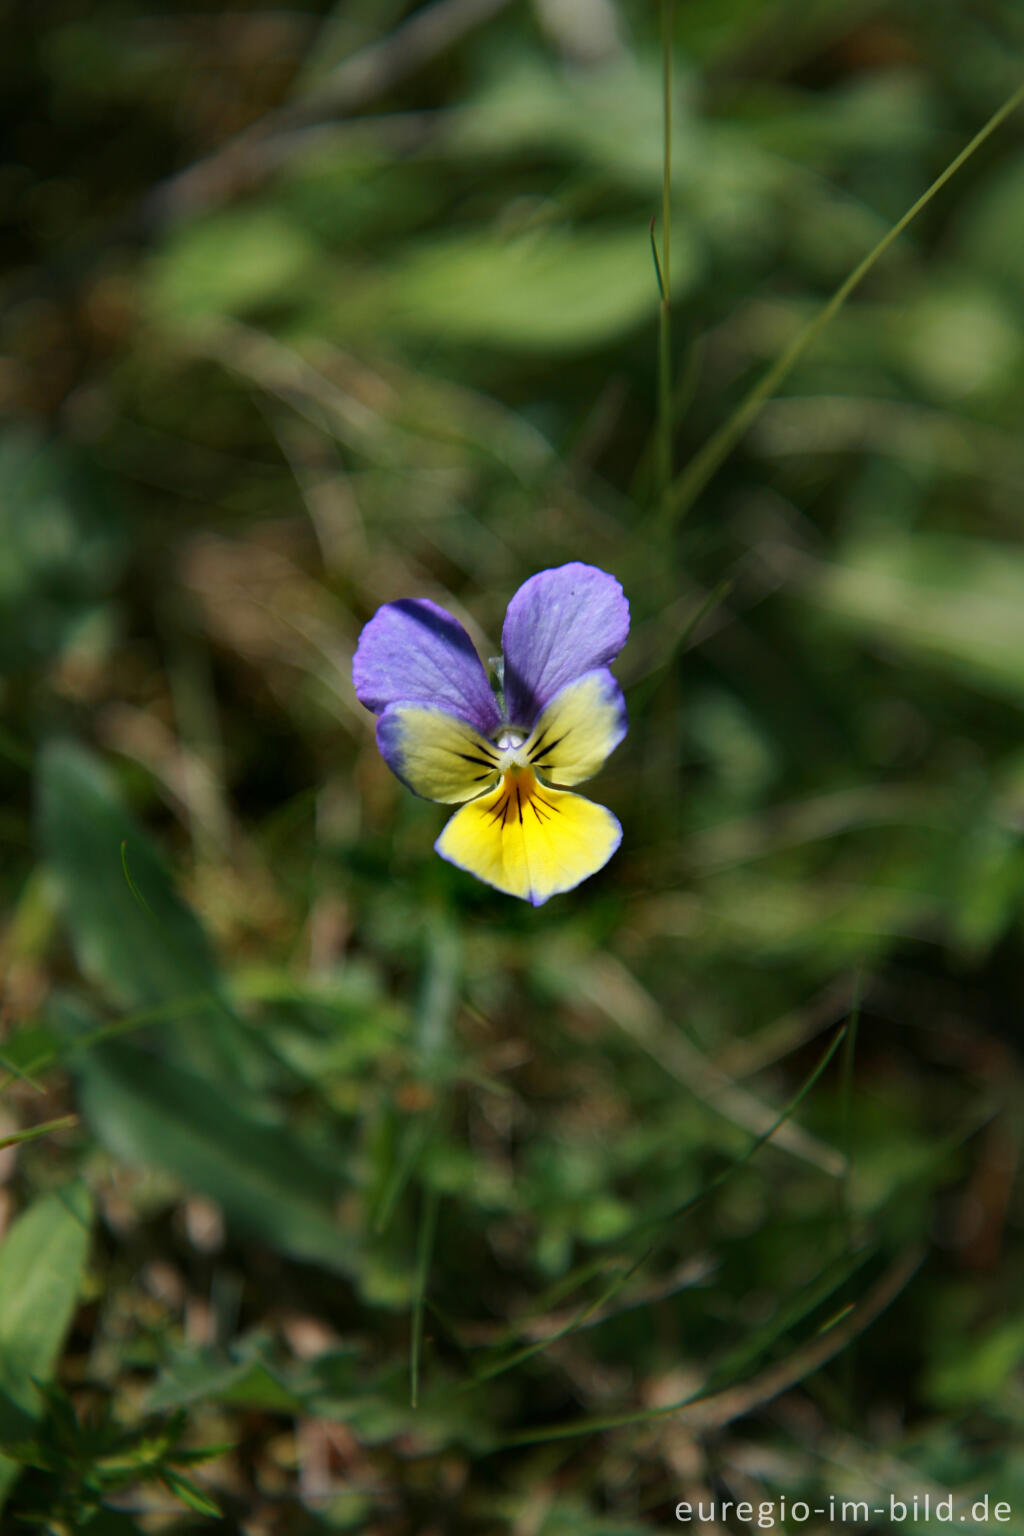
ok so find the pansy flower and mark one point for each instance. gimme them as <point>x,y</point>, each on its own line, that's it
<point>447,736</point>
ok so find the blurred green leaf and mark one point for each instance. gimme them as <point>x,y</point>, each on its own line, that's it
<point>978,1369</point>
<point>230,264</point>
<point>956,603</point>
<point>545,290</point>
<point>42,1263</point>
<point>959,340</point>
<point>140,955</point>
<point>609,116</point>
<point>150,1112</point>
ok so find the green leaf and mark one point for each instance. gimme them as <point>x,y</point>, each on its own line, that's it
<point>143,948</point>
<point>185,1490</point>
<point>545,290</point>
<point>230,264</point>
<point>608,117</point>
<point>149,1111</point>
<point>957,603</point>
<point>42,1261</point>
<point>978,1369</point>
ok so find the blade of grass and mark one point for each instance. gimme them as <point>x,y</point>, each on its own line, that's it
<point>60,1124</point>
<point>643,481</point>
<point>23,1074</point>
<point>583,1317</point>
<point>528,1325</point>
<point>451,1330</point>
<point>831,1281</point>
<point>194,1003</point>
<point>643,690</point>
<point>766,1136</point>
<point>415,1141</point>
<point>436,1006</point>
<point>424,1249</point>
<point>709,459</point>
<point>609,986</point>
<point>712,1410</point>
<point>197,1002</point>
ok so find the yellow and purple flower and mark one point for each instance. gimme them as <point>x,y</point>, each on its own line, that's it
<point>444,733</point>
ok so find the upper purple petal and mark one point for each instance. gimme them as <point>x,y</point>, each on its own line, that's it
<point>413,651</point>
<point>560,624</point>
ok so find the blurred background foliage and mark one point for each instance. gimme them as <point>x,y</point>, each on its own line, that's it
<point>310,308</point>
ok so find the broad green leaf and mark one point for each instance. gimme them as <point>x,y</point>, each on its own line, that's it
<point>144,948</point>
<point>955,602</point>
<point>978,1369</point>
<point>151,1112</point>
<point>546,290</point>
<point>229,264</point>
<point>42,1260</point>
<point>610,117</point>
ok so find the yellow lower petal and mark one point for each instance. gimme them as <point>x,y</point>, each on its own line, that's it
<point>529,840</point>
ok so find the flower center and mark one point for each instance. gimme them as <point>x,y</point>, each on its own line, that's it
<point>521,792</point>
<point>520,789</point>
<point>510,742</point>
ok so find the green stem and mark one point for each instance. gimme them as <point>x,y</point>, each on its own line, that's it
<point>708,460</point>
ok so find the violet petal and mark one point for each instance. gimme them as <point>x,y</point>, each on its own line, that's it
<point>413,651</point>
<point>560,624</point>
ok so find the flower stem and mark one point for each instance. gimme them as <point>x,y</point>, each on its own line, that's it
<point>681,496</point>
